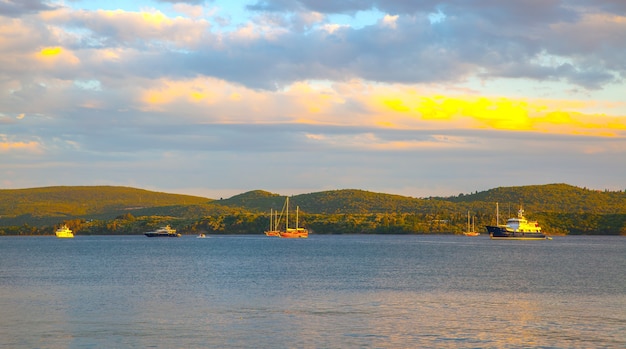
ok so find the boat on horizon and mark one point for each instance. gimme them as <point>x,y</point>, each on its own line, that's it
<point>472,231</point>
<point>516,228</point>
<point>288,233</point>
<point>273,230</point>
<point>64,232</point>
<point>166,232</point>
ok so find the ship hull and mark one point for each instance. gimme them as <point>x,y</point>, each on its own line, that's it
<point>65,235</point>
<point>162,235</point>
<point>297,233</point>
<point>163,232</point>
<point>471,233</point>
<point>502,233</point>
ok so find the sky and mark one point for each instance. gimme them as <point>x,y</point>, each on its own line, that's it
<point>217,98</point>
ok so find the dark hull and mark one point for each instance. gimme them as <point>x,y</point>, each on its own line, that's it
<point>501,233</point>
<point>162,235</point>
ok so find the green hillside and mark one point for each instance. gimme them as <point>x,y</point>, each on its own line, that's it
<point>535,198</point>
<point>66,202</point>
<point>345,201</point>
<point>561,209</point>
<point>256,200</point>
<point>107,201</point>
<point>551,198</point>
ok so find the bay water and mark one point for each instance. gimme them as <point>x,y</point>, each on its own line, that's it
<point>327,291</point>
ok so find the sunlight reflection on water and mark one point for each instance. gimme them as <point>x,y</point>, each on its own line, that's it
<point>330,291</point>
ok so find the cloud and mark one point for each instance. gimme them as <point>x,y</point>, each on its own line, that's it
<point>494,41</point>
<point>217,101</point>
<point>542,41</point>
<point>119,28</point>
<point>400,97</point>
<point>17,8</point>
<point>9,145</point>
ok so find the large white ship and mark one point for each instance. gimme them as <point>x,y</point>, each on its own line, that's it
<point>516,228</point>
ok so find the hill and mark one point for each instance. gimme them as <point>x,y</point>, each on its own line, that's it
<point>256,200</point>
<point>51,204</point>
<point>345,201</point>
<point>552,198</point>
<point>563,208</point>
<point>535,198</point>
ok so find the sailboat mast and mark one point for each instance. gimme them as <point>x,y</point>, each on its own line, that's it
<point>497,215</point>
<point>297,211</point>
<point>271,220</point>
<point>287,214</point>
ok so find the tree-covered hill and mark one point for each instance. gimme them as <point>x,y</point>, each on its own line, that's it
<point>560,208</point>
<point>85,201</point>
<point>534,198</point>
<point>344,201</point>
<point>352,201</point>
<point>256,200</point>
<point>551,198</point>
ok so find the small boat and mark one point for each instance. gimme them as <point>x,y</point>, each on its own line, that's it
<point>516,228</point>
<point>166,232</point>
<point>273,230</point>
<point>472,231</point>
<point>296,232</point>
<point>201,236</point>
<point>64,232</point>
<point>288,233</point>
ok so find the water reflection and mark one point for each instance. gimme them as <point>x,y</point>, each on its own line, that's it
<point>391,292</point>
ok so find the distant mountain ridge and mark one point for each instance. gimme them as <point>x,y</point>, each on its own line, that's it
<point>51,204</point>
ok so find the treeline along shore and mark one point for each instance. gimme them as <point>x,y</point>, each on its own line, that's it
<point>561,209</point>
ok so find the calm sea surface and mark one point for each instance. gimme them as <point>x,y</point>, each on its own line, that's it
<point>322,292</point>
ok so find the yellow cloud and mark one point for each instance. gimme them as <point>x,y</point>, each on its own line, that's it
<point>51,56</point>
<point>8,146</point>
<point>50,51</point>
<point>437,108</point>
<point>501,113</point>
<point>406,108</point>
<point>396,104</point>
<point>155,18</point>
<point>197,96</point>
<point>378,105</point>
<point>310,98</point>
<point>172,94</point>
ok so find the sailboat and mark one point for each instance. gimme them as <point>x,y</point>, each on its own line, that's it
<point>273,230</point>
<point>289,233</point>
<point>472,231</point>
